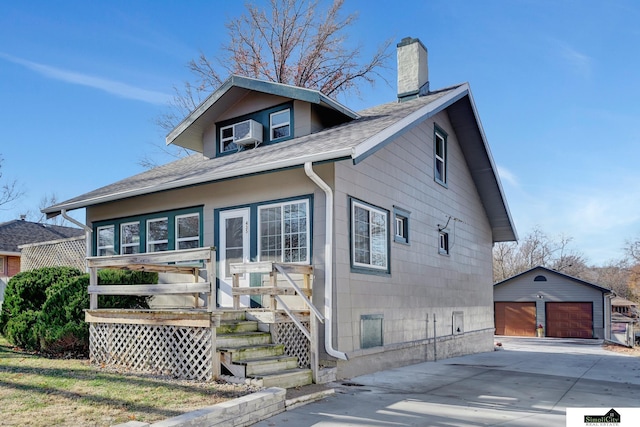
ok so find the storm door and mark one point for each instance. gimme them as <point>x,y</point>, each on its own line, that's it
<point>233,231</point>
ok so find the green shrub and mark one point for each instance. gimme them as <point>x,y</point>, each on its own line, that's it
<point>20,330</point>
<point>28,291</point>
<point>46,307</point>
<point>61,327</point>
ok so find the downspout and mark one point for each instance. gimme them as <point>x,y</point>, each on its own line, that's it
<point>87,231</point>
<point>328,263</point>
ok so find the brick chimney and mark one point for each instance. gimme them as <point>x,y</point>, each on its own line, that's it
<point>413,69</point>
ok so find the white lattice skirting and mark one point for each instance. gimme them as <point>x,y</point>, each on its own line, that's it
<point>295,343</point>
<point>179,351</point>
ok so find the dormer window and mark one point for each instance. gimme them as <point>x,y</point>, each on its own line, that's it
<point>226,139</point>
<point>280,124</point>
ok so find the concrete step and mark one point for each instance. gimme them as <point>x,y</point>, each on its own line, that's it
<point>243,339</point>
<point>233,326</point>
<point>268,365</point>
<point>286,379</point>
<point>237,354</point>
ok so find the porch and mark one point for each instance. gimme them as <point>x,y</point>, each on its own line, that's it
<point>276,344</point>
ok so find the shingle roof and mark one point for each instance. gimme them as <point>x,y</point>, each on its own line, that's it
<point>356,139</point>
<point>546,270</point>
<point>333,142</point>
<point>18,232</point>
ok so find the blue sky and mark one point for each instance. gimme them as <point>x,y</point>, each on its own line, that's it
<point>555,82</point>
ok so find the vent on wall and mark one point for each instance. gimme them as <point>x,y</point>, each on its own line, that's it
<point>371,330</point>
<point>540,279</point>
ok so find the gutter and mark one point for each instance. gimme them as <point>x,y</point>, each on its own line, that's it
<point>87,231</point>
<point>328,263</point>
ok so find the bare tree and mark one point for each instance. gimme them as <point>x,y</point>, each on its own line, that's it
<point>289,41</point>
<point>536,249</point>
<point>9,191</point>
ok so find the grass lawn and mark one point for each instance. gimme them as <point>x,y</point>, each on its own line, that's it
<point>38,391</point>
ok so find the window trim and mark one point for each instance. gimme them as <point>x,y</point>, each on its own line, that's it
<point>142,220</point>
<point>281,204</point>
<point>439,133</point>
<point>179,239</point>
<point>401,216</point>
<point>113,243</point>
<point>444,246</point>
<point>272,128</point>
<point>223,140</point>
<point>132,245</point>
<point>2,261</point>
<point>360,267</point>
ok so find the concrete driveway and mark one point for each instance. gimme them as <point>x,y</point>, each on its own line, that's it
<point>530,382</point>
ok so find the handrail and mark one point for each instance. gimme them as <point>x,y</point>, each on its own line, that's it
<point>299,291</point>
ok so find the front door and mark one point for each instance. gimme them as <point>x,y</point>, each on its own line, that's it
<point>234,248</point>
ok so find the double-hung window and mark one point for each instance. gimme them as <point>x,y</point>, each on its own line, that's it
<point>440,155</point>
<point>157,234</point>
<point>188,231</point>
<point>130,238</point>
<point>369,236</point>
<point>105,240</point>
<point>226,139</point>
<point>284,232</point>
<point>280,124</point>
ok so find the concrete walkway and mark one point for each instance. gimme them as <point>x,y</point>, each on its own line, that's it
<point>530,382</point>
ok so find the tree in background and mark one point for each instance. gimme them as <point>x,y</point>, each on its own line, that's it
<point>289,41</point>
<point>536,249</point>
<point>9,191</point>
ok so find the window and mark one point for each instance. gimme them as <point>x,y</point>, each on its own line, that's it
<point>444,243</point>
<point>130,238</point>
<point>401,225</point>
<point>369,230</point>
<point>1,265</point>
<point>226,139</point>
<point>440,156</point>
<point>187,231</point>
<point>157,235</point>
<point>284,232</point>
<point>279,124</point>
<point>106,238</point>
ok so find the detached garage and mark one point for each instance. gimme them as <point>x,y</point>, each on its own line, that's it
<point>565,306</point>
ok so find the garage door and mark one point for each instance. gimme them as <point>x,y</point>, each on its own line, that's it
<point>569,319</point>
<point>515,318</point>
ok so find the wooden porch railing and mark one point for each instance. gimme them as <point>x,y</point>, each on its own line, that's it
<point>275,293</point>
<point>160,262</point>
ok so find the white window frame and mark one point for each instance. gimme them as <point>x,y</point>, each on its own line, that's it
<point>179,239</point>
<point>135,245</point>
<point>105,247</point>
<point>2,261</point>
<point>443,242</point>
<point>272,128</point>
<point>307,231</point>
<point>156,242</point>
<point>440,139</point>
<point>231,138</point>
<point>371,210</point>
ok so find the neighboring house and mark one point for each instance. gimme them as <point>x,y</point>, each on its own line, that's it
<point>624,307</point>
<point>16,233</point>
<point>396,207</point>
<point>565,306</point>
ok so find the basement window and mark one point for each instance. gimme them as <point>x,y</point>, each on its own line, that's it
<point>371,330</point>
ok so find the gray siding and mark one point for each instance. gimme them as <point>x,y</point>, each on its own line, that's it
<point>557,288</point>
<point>422,282</point>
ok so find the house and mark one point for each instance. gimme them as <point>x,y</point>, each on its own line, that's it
<point>395,208</point>
<point>15,233</point>
<point>565,306</point>
<point>624,307</point>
